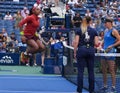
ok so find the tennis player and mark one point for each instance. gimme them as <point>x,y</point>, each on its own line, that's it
<point>111,40</point>
<point>29,26</point>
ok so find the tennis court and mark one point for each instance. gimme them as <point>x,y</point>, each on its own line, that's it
<point>70,71</point>
<point>26,79</point>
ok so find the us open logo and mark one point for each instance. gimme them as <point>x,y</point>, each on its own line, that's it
<point>6,59</point>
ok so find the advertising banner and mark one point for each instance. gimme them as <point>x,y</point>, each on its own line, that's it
<point>9,58</point>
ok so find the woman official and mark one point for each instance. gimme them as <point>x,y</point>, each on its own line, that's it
<point>85,40</point>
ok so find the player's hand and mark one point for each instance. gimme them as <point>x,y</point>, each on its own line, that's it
<point>108,49</point>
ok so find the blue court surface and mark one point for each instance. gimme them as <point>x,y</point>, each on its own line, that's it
<point>36,84</point>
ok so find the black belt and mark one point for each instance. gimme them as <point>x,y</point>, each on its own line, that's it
<point>86,46</point>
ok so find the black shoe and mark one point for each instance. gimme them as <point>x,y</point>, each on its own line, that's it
<point>42,66</point>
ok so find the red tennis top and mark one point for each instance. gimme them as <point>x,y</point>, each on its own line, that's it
<point>32,24</point>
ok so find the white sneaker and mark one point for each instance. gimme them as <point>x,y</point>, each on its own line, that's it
<point>27,64</point>
<point>35,64</point>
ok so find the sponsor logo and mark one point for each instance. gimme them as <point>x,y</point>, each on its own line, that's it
<point>6,59</point>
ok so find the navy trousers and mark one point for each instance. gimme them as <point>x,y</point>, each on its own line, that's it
<point>85,57</point>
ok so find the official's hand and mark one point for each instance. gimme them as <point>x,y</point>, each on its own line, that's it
<point>74,55</point>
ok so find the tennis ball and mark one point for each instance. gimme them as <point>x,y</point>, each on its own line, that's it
<point>21,33</point>
<point>36,34</point>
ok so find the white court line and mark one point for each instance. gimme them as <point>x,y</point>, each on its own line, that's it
<point>34,78</point>
<point>12,91</point>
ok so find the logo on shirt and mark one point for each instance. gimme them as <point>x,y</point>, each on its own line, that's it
<point>87,37</point>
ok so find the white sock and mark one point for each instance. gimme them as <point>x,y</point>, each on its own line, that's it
<point>25,53</point>
<point>105,86</point>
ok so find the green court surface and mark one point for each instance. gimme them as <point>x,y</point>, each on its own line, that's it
<point>20,70</point>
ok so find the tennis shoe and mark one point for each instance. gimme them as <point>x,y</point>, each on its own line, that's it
<point>113,90</point>
<point>24,58</point>
<point>35,64</point>
<point>27,64</point>
<point>104,90</point>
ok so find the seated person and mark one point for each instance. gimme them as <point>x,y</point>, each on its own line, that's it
<point>71,3</point>
<point>8,16</point>
<point>13,40</point>
<point>78,4</point>
<point>2,43</point>
<point>48,11</point>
